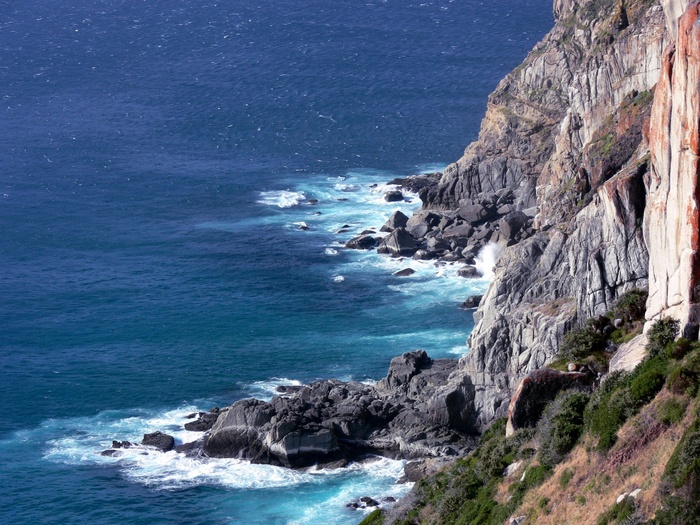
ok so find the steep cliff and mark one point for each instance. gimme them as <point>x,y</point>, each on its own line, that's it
<point>564,133</point>
<point>672,219</point>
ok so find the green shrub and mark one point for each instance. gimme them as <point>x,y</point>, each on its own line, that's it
<point>580,500</point>
<point>683,381</point>
<point>579,344</point>
<point>565,478</point>
<point>561,426</point>
<point>376,517</point>
<point>672,411</point>
<point>620,397</point>
<point>618,513</point>
<point>645,387</point>
<point>660,335</point>
<point>678,349</point>
<point>631,305</point>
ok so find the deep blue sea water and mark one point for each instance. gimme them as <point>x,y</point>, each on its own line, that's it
<point>156,161</point>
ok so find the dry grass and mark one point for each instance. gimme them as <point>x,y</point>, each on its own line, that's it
<point>636,461</point>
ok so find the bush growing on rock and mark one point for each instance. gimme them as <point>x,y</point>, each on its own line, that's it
<point>661,334</point>
<point>620,397</point>
<point>579,344</point>
<point>561,426</point>
<point>631,305</point>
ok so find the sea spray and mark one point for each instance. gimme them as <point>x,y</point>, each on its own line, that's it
<point>486,260</point>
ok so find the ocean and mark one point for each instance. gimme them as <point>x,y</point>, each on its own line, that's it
<point>158,161</point>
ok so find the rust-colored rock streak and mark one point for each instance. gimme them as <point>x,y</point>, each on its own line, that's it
<point>672,218</point>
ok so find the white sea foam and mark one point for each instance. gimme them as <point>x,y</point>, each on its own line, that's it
<point>282,198</point>
<point>81,440</point>
<point>266,389</point>
<point>339,278</point>
<point>331,251</point>
<point>486,260</point>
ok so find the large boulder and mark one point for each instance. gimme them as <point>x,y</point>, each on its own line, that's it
<point>422,222</point>
<point>393,196</point>
<point>397,220</point>
<point>159,440</point>
<point>536,390</point>
<point>361,242</point>
<point>399,243</point>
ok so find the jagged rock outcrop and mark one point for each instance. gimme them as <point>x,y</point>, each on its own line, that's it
<point>563,137</point>
<point>672,220</point>
<point>413,412</point>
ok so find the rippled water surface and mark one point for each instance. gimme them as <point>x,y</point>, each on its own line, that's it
<point>157,162</point>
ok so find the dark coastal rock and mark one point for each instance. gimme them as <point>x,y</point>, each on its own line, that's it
<point>362,242</point>
<point>204,422</point>
<point>536,390</point>
<point>510,225</point>
<point>476,213</point>
<point>393,196</point>
<point>423,255</point>
<point>110,453</point>
<point>159,440</point>
<point>471,302</point>
<point>399,243</point>
<point>397,220</point>
<point>468,271</point>
<point>417,183</point>
<point>121,444</point>
<point>418,410</point>
<point>405,272</point>
<point>420,223</point>
<point>459,230</point>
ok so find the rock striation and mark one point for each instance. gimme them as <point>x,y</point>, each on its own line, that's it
<point>672,218</point>
<point>564,138</point>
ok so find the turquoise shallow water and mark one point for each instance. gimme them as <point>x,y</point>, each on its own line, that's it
<point>157,159</point>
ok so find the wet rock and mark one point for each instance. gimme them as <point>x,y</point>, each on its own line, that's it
<point>469,272</point>
<point>361,242</point>
<point>159,440</point>
<point>471,302</point>
<point>204,422</point>
<point>110,453</point>
<point>393,196</point>
<point>423,255</point>
<point>121,444</point>
<point>397,220</point>
<point>405,272</point>
<point>398,243</point>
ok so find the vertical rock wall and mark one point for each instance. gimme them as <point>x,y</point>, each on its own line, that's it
<point>563,132</point>
<point>672,219</point>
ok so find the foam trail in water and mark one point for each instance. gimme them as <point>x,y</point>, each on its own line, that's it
<point>486,260</point>
<point>282,199</point>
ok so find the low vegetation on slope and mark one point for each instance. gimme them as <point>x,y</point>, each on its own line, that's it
<point>627,453</point>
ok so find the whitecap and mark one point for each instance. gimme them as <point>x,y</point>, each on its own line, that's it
<point>266,389</point>
<point>282,198</point>
<point>331,251</point>
<point>338,278</point>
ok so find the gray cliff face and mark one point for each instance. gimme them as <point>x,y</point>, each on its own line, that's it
<point>564,133</point>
